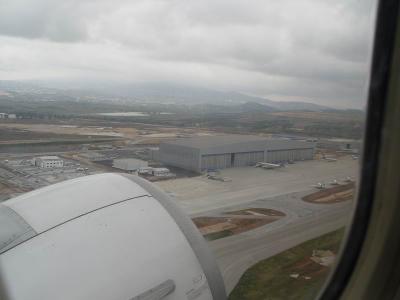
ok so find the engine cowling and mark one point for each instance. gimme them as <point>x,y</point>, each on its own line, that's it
<point>106,236</point>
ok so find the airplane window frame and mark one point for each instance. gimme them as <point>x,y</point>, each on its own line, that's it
<point>386,28</point>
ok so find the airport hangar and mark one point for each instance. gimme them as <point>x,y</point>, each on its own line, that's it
<point>219,152</point>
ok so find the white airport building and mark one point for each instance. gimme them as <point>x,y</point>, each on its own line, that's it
<point>161,172</point>
<point>49,162</point>
<point>7,116</point>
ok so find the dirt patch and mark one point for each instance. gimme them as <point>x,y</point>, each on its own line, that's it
<point>243,225</point>
<point>217,227</point>
<point>257,212</point>
<point>129,132</point>
<point>62,129</point>
<point>15,134</point>
<point>201,222</point>
<point>223,226</point>
<point>307,268</point>
<point>332,195</point>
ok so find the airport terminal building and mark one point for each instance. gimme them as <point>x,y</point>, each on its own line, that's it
<point>48,162</point>
<point>227,151</point>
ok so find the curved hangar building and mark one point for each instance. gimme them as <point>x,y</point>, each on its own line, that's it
<point>227,151</point>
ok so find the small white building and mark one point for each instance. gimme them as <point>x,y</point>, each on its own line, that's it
<point>129,164</point>
<point>161,172</point>
<point>145,171</point>
<point>49,162</point>
<point>7,116</point>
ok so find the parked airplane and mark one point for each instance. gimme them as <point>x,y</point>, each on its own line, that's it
<point>218,178</point>
<point>349,179</point>
<point>265,165</point>
<point>330,159</point>
<point>334,182</point>
<point>320,185</point>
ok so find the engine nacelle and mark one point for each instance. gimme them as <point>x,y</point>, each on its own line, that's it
<point>106,236</point>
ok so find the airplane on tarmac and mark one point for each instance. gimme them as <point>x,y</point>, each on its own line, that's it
<point>334,182</point>
<point>349,179</point>
<point>320,185</point>
<point>330,159</point>
<point>265,165</point>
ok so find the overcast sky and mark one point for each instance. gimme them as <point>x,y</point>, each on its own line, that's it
<point>298,50</point>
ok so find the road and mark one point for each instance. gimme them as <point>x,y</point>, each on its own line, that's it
<point>237,253</point>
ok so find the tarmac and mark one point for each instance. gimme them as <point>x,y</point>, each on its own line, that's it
<point>200,194</point>
<point>280,189</point>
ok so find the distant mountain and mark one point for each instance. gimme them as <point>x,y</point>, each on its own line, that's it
<point>162,93</point>
<point>23,87</point>
<point>255,107</point>
<point>248,107</point>
<point>168,93</point>
<point>178,94</point>
<point>297,106</point>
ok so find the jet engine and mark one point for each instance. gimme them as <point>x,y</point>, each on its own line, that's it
<point>106,236</point>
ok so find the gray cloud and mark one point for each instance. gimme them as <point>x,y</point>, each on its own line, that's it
<point>295,50</point>
<point>60,21</point>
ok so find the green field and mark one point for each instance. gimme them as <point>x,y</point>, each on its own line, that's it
<point>270,279</point>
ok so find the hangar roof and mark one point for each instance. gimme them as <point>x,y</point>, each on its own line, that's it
<point>237,143</point>
<point>49,157</point>
<point>215,140</point>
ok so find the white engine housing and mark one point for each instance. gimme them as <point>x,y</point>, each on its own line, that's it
<point>107,236</point>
